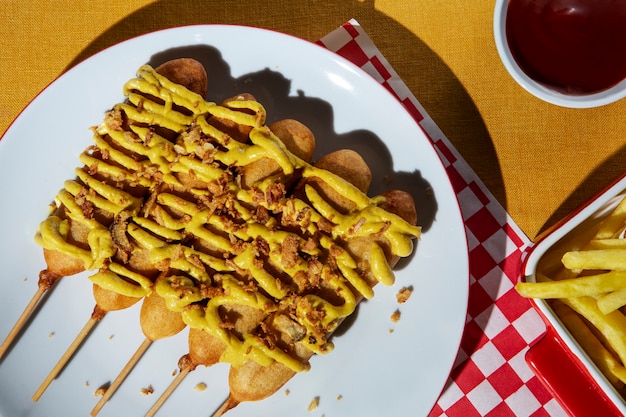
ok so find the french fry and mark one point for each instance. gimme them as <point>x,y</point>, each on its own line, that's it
<point>613,225</point>
<point>589,291</point>
<point>607,244</point>
<point>612,326</point>
<point>598,353</point>
<point>612,301</point>
<point>602,259</point>
<point>590,285</point>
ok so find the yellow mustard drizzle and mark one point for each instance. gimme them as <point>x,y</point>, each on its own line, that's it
<point>318,343</point>
<point>207,245</point>
<point>53,234</point>
<point>250,346</point>
<point>186,292</point>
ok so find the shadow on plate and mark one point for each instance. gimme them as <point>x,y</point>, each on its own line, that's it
<point>273,90</point>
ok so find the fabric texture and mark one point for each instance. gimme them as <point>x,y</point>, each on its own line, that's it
<point>518,164</point>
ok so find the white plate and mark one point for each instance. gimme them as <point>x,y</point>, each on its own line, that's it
<point>372,371</point>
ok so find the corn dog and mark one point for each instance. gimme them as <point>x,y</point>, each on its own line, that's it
<point>257,250</point>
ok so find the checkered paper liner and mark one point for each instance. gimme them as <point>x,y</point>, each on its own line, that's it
<point>490,376</point>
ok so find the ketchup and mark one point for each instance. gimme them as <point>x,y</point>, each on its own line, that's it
<point>573,46</point>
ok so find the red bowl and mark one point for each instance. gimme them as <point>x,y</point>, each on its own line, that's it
<point>557,358</point>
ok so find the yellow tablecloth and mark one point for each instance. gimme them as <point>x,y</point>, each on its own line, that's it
<point>539,160</point>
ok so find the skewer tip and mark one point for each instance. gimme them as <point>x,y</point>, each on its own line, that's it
<point>117,382</point>
<point>69,352</point>
<point>21,321</point>
<point>184,371</point>
<point>229,404</point>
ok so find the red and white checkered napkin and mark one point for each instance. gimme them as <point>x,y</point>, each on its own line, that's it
<point>490,376</point>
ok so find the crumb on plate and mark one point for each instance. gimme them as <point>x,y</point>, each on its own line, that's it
<point>395,317</point>
<point>148,390</point>
<point>101,390</point>
<point>404,294</point>
<point>200,386</point>
<point>315,402</point>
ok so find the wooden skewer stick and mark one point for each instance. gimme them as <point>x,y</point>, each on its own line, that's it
<point>229,404</point>
<point>122,376</point>
<point>22,320</point>
<point>201,352</point>
<point>96,316</point>
<point>47,279</point>
<point>184,371</point>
